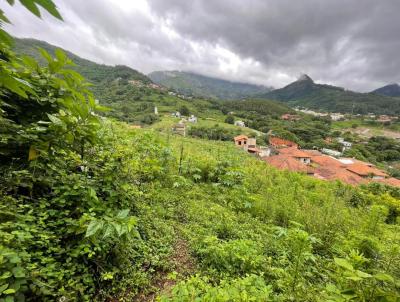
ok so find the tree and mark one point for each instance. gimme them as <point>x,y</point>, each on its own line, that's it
<point>184,110</point>
<point>230,119</point>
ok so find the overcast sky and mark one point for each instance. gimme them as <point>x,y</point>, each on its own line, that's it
<point>350,43</point>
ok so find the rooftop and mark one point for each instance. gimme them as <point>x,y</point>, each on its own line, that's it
<point>294,152</point>
<point>365,170</point>
<point>240,137</point>
<point>284,162</point>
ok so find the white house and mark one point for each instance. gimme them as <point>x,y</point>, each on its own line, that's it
<point>346,145</point>
<point>192,119</point>
<point>331,152</point>
<point>240,124</point>
<point>176,114</point>
<point>336,116</point>
<point>264,151</point>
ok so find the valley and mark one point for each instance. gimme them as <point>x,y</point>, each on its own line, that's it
<point>180,187</point>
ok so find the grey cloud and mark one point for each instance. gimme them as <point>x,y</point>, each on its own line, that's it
<point>295,36</point>
<point>351,43</point>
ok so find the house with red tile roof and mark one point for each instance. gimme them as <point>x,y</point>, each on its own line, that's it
<point>284,162</point>
<point>250,145</point>
<point>366,171</point>
<point>391,181</point>
<point>298,154</point>
<point>241,141</point>
<point>290,117</point>
<point>312,162</point>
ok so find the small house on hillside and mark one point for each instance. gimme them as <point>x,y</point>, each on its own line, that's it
<point>241,141</point>
<point>290,117</point>
<point>180,129</point>
<point>176,114</point>
<point>336,116</point>
<point>250,145</point>
<point>192,119</point>
<point>366,171</point>
<point>240,124</point>
<point>331,152</point>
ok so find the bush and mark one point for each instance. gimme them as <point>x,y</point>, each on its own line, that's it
<point>234,257</point>
<point>230,119</point>
<point>249,288</point>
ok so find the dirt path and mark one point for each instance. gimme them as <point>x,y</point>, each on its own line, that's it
<point>184,265</point>
<point>369,132</point>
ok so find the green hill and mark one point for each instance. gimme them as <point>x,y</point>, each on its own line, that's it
<point>305,93</point>
<point>388,90</point>
<point>93,72</point>
<point>132,98</point>
<point>198,85</point>
<point>93,210</point>
<point>127,92</point>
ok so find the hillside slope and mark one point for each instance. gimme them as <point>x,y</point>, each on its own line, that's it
<point>195,84</point>
<point>94,72</point>
<point>129,93</point>
<point>388,90</point>
<point>304,92</point>
<point>93,210</point>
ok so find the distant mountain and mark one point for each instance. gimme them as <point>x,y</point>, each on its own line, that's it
<point>126,91</point>
<point>195,84</point>
<point>388,90</point>
<point>94,72</point>
<point>305,93</point>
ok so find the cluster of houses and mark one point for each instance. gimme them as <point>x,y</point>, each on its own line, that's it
<point>138,83</point>
<point>335,116</point>
<point>290,117</point>
<point>383,119</point>
<point>181,96</point>
<point>286,155</point>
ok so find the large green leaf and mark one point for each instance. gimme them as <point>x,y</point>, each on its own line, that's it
<point>93,227</point>
<point>32,6</point>
<point>344,263</point>
<point>384,277</point>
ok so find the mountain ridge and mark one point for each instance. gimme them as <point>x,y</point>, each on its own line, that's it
<point>94,72</point>
<point>392,90</point>
<point>304,92</point>
<point>196,84</point>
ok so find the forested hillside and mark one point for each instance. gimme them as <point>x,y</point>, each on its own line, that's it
<point>199,85</point>
<point>126,92</point>
<point>388,90</point>
<point>306,93</point>
<point>97,74</point>
<point>93,210</point>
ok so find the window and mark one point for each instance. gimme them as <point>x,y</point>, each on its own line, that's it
<point>244,142</point>
<point>240,143</point>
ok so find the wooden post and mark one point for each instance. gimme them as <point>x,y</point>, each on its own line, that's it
<point>180,160</point>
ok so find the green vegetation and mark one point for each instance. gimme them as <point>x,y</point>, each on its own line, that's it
<point>92,210</point>
<point>306,93</point>
<point>265,116</point>
<point>124,90</point>
<point>201,86</point>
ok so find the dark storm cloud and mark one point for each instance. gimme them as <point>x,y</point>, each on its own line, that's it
<point>351,43</point>
<point>342,41</point>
